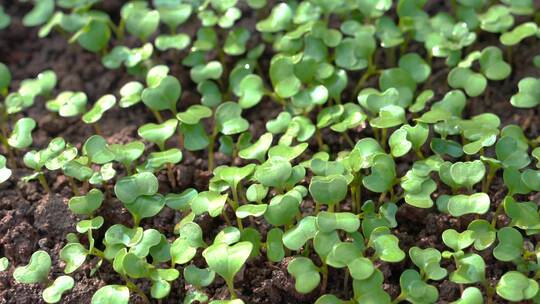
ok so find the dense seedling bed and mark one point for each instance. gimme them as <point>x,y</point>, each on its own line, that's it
<point>258,151</point>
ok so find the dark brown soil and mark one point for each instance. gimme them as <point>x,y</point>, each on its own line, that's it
<point>31,220</point>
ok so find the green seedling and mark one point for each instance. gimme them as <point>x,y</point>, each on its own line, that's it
<point>21,137</point>
<point>139,20</point>
<point>528,95</point>
<point>514,286</point>
<point>118,294</point>
<point>68,104</point>
<point>5,78</point>
<point>519,33</point>
<point>305,273</point>
<point>5,172</point>
<point>52,157</point>
<point>130,58</point>
<point>53,293</point>
<point>5,19</point>
<point>36,271</point>
<point>101,106</point>
<point>227,260</point>
<point>4,264</point>
<point>471,295</point>
<point>29,89</point>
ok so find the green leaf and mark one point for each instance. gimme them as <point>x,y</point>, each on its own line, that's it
<point>209,201</point>
<point>519,33</point>
<point>471,269</point>
<point>210,70</point>
<point>328,190</point>
<point>21,137</point>
<point>53,293</point>
<point>102,105</point>
<point>510,154</point>
<point>68,104</point>
<point>4,264</point>
<point>416,66</point>
<point>163,95</point>
<point>484,233</point>
<point>140,21</point>
<point>415,289</point>
<point>305,273</point>
<point>330,221</point>
<point>229,119</point>
<point>176,42</point>
<point>40,13</point>
<point>278,20</point>
<point>477,203</point>
<point>510,244</point>
<point>199,277</point>
<point>36,271</point>
<point>297,237</point>
<point>428,260</point>
<point>514,286</point>
<point>129,188</point>
<point>473,83</point>
<point>493,65</point>
<point>528,95</point>
<point>386,245</point>
<point>74,255</point>
<point>471,295</point>
<point>227,260</point>
<point>274,245</point>
<point>456,240</point>
<point>111,294</point>
<point>389,116</point>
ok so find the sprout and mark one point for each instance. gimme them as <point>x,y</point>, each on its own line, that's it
<point>36,271</point>
<point>227,260</point>
<point>68,104</point>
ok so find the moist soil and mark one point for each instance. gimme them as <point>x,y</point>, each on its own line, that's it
<point>32,220</point>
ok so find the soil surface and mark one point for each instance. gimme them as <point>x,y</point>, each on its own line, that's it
<point>32,220</point>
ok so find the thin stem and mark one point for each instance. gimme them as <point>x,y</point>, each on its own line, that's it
<point>400,298</point>
<point>319,139</point>
<point>324,270</point>
<point>73,186</point>
<point>348,139</point>
<point>211,150</point>
<point>158,116</point>
<point>496,215</point>
<point>136,289</point>
<point>489,179</point>
<point>230,287</point>
<point>234,205</point>
<point>170,175</point>
<point>384,136</point>
<point>369,72</point>
<point>43,182</point>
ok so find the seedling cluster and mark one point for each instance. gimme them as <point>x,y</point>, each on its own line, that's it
<point>374,102</point>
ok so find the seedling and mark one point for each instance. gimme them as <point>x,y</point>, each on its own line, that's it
<point>287,165</point>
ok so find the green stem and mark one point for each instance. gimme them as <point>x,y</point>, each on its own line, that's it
<point>489,179</point>
<point>234,205</point>
<point>170,175</point>
<point>211,149</point>
<point>400,298</point>
<point>230,287</point>
<point>369,72</point>
<point>319,139</point>
<point>136,289</point>
<point>158,116</point>
<point>73,186</point>
<point>324,270</point>
<point>43,182</point>
<point>348,139</point>
<point>496,215</point>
